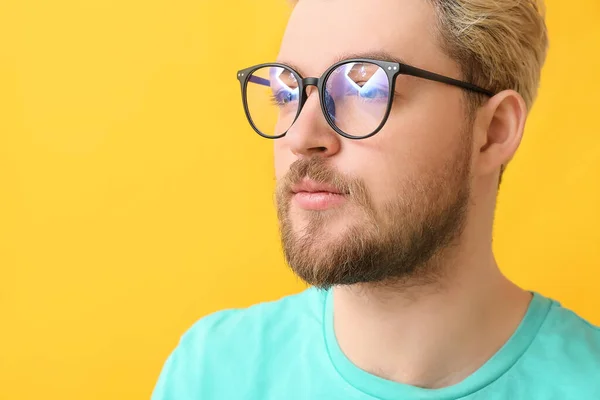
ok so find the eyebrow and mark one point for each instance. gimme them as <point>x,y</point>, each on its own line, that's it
<point>374,55</point>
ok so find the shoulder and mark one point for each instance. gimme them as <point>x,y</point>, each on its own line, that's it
<point>569,343</point>
<point>563,323</point>
<point>226,346</point>
<point>304,309</point>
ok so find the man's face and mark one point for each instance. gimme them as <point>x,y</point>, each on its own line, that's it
<point>403,193</point>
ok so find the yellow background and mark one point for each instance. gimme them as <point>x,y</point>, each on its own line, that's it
<point>134,198</point>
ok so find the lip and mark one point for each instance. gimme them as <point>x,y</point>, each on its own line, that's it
<point>312,196</point>
<point>310,186</point>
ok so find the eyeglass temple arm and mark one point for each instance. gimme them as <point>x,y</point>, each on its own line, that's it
<point>432,76</point>
<point>258,80</point>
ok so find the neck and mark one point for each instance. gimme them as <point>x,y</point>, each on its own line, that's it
<point>433,334</point>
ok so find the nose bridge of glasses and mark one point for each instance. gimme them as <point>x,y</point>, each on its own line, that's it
<point>306,83</point>
<point>310,82</point>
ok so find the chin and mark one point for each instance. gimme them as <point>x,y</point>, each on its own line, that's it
<point>333,221</point>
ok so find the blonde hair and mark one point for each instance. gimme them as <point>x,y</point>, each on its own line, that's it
<point>498,44</point>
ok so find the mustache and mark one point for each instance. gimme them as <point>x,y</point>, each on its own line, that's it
<point>317,169</point>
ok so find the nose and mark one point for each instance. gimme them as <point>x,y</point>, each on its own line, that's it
<point>311,135</point>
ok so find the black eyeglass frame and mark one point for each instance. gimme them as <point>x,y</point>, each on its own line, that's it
<point>392,70</point>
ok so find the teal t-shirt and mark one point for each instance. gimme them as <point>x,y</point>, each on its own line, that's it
<point>286,350</point>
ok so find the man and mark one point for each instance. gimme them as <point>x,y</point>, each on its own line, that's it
<point>392,121</point>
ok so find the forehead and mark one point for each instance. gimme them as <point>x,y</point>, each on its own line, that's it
<point>320,32</point>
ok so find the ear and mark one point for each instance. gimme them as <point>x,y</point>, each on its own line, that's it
<point>498,131</point>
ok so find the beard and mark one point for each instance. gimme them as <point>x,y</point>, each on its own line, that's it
<point>397,242</point>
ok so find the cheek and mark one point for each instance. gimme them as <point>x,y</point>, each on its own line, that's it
<point>282,157</point>
<point>406,152</point>
<point>385,176</point>
<point>379,166</point>
<point>420,136</point>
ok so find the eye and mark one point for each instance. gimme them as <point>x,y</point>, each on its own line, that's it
<point>283,97</point>
<point>373,92</point>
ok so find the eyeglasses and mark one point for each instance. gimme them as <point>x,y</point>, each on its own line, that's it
<point>356,95</point>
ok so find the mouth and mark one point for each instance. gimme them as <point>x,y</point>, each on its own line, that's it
<point>313,196</point>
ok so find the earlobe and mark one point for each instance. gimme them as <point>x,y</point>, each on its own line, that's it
<point>502,131</point>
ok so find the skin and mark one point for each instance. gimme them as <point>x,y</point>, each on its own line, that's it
<point>435,323</point>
